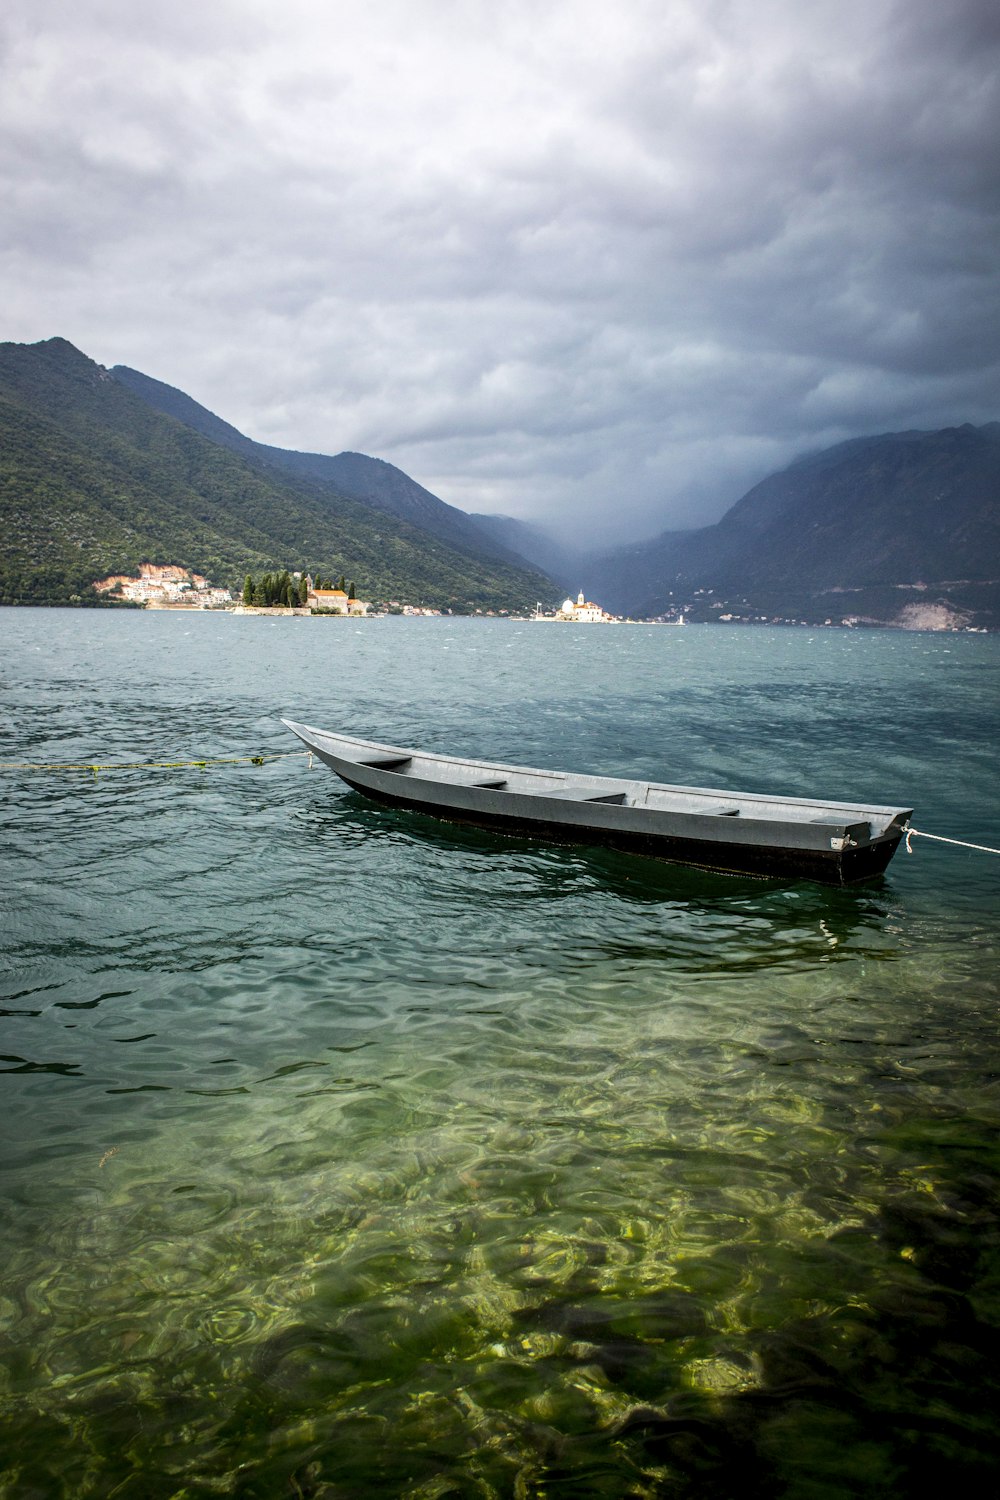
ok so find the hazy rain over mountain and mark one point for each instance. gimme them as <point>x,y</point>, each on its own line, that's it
<point>597,267</point>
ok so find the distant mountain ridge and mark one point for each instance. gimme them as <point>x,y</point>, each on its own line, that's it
<point>94,481</point>
<point>536,546</point>
<point>371,480</point>
<point>863,529</point>
<point>100,471</point>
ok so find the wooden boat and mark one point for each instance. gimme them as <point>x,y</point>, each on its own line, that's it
<point>837,843</point>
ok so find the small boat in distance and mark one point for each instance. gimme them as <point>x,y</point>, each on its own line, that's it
<point>836,843</point>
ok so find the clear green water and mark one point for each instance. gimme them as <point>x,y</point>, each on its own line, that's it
<point>346,1154</point>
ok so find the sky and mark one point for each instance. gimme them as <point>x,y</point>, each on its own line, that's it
<point>601,266</point>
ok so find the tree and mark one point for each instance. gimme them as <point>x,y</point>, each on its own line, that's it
<point>351,593</point>
<point>248,590</point>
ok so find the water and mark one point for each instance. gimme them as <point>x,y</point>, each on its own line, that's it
<point>348,1154</point>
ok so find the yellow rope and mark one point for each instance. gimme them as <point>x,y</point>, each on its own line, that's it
<point>147,765</point>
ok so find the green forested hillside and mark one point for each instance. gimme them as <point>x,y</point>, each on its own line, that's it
<point>94,481</point>
<point>370,480</point>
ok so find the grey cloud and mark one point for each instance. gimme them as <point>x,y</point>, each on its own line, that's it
<point>599,266</point>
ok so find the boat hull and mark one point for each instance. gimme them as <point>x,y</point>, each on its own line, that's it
<point>834,868</point>
<point>833,843</point>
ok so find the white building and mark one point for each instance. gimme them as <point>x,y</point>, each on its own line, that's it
<point>583,612</point>
<point>165,587</point>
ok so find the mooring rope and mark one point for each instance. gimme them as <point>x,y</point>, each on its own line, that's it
<point>939,838</point>
<point>149,765</point>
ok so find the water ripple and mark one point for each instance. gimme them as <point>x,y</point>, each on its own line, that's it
<point>354,1154</point>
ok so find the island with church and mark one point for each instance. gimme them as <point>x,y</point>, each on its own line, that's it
<point>579,611</point>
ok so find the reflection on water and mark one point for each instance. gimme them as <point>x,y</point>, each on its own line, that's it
<point>348,1153</point>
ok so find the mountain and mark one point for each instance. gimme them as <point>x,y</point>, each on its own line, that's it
<point>535,546</point>
<point>102,471</point>
<point>870,529</point>
<point>371,480</point>
<point>94,481</point>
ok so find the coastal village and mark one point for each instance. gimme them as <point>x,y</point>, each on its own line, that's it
<point>164,587</point>
<point>168,586</point>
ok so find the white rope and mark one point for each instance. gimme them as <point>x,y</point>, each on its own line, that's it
<point>939,838</point>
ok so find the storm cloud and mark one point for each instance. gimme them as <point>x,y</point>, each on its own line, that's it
<point>598,266</point>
